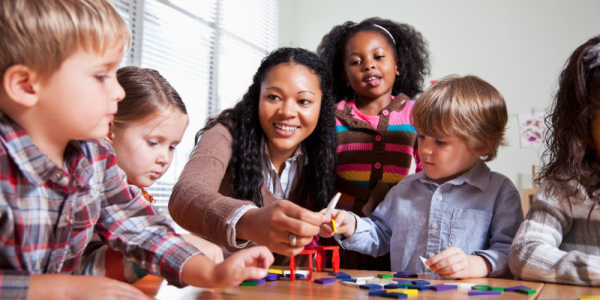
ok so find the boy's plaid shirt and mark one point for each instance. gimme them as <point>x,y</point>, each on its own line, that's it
<point>48,213</point>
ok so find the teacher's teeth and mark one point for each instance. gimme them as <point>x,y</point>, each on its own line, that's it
<point>285,128</point>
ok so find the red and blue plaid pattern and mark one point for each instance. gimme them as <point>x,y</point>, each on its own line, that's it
<point>48,213</point>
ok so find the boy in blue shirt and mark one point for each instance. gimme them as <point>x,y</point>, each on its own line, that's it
<point>457,213</point>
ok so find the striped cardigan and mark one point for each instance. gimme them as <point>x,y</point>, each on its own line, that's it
<point>374,152</point>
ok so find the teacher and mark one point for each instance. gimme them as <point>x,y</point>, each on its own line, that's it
<point>262,170</point>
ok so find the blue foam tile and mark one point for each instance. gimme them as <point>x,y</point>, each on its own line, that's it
<point>391,286</point>
<point>420,287</point>
<point>420,282</point>
<point>258,281</point>
<point>403,281</point>
<point>483,292</point>
<point>337,273</point>
<point>325,280</point>
<point>395,295</point>
<point>377,292</point>
<point>343,277</point>
<point>350,280</point>
<point>370,286</point>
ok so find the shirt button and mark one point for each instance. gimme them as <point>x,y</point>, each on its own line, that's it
<point>434,226</point>
<point>279,195</point>
<point>439,198</point>
<point>378,138</point>
<point>58,175</point>
<point>377,166</point>
<point>386,112</point>
<point>430,254</point>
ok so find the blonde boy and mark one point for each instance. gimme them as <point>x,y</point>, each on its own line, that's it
<point>457,213</point>
<point>58,182</point>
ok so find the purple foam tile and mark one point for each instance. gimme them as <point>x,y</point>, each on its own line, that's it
<point>420,282</point>
<point>337,273</point>
<point>258,281</point>
<point>443,287</point>
<point>483,292</point>
<point>515,288</point>
<point>406,276</point>
<point>403,281</point>
<point>325,280</point>
<point>395,295</point>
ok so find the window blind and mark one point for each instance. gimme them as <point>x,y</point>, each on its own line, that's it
<point>207,49</point>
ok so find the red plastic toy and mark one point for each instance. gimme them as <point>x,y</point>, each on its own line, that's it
<point>321,259</point>
<point>310,267</point>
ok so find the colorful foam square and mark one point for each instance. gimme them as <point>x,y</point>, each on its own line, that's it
<point>497,289</point>
<point>258,281</point>
<point>325,280</point>
<point>343,277</point>
<point>483,293</point>
<point>370,286</point>
<point>273,271</point>
<point>391,286</point>
<point>515,288</point>
<point>377,292</point>
<point>244,283</point>
<point>481,287</point>
<point>403,281</point>
<point>420,287</point>
<point>384,275</point>
<point>526,291</point>
<point>337,273</point>
<point>420,282</point>
<point>404,291</point>
<point>395,295</point>
<point>443,287</point>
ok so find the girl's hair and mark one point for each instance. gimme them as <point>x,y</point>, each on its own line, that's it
<point>243,122</point>
<point>147,94</point>
<point>410,49</point>
<point>570,153</point>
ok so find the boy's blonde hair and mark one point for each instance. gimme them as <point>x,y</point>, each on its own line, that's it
<point>466,107</point>
<point>42,34</point>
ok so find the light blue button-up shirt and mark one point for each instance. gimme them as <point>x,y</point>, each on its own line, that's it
<point>478,212</point>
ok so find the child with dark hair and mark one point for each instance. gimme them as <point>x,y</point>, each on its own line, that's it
<point>457,213</point>
<point>560,238</point>
<point>263,169</point>
<point>371,62</point>
<point>149,124</point>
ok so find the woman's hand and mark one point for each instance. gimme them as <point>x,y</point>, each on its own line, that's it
<point>272,225</point>
<point>345,224</point>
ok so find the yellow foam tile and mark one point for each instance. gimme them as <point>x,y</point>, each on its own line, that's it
<point>273,271</point>
<point>595,297</point>
<point>405,291</point>
<point>333,226</point>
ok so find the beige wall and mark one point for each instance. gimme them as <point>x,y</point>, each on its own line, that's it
<point>519,46</point>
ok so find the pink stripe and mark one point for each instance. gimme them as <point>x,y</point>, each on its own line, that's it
<point>354,167</point>
<point>395,169</point>
<point>341,105</point>
<point>355,147</point>
<point>397,148</point>
<point>401,117</point>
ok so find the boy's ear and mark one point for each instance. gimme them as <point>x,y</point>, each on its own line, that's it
<point>21,84</point>
<point>345,77</point>
<point>110,136</point>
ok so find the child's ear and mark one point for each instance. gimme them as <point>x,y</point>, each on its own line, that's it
<point>345,77</point>
<point>110,136</point>
<point>397,67</point>
<point>21,84</point>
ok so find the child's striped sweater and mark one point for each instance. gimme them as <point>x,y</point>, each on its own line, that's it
<point>374,152</point>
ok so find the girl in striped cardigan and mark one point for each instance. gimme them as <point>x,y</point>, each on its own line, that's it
<point>371,61</point>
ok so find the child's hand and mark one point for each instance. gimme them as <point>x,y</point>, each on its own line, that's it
<point>251,263</point>
<point>455,263</point>
<point>210,250</point>
<point>345,223</point>
<point>58,286</point>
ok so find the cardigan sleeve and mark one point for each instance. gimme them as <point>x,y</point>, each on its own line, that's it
<point>535,252</point>
<point>196,203</point>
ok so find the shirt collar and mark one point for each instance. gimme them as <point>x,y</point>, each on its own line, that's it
<point>264,151</point>
<point>34,164</point>
<point>478,176</point>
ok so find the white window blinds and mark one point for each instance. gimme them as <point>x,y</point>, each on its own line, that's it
<point>207,49</point>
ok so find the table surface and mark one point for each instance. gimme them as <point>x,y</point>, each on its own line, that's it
<point>157,288</point>
<point>561,291</point>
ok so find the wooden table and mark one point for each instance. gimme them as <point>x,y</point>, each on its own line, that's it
<point>561,291</point>
<point>157,288</point>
